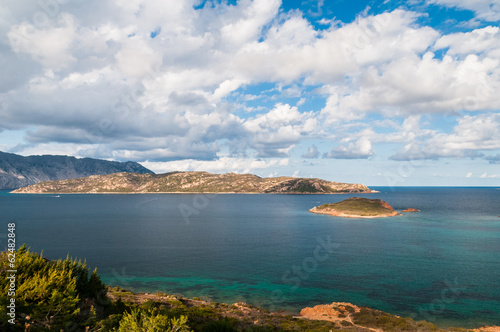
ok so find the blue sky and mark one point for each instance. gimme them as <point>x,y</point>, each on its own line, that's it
<point>387,93</point>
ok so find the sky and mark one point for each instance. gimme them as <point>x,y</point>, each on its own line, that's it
<point>384,93</point>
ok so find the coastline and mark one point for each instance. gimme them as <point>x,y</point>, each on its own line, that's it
<point>344,215</point>
<point>343,316</point>
<point>188,193</point>
<point>357,207</point>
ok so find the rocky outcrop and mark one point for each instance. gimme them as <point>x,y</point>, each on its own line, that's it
<point>193,182</point>
<point>18,171</point>
<point>411,210</point>
<point>356,207</point>
<point>335,312</point>
<point>488,329</point>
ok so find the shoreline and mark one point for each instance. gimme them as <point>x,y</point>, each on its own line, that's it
<point>343,215</point>
<point>341,314</point>
<point>188,193</point>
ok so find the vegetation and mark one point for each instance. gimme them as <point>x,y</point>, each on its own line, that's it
<point>192,182</point>
<point>151,321</point>
<point>356,206</point>
<point>64,295</point>
<point>52,295</point>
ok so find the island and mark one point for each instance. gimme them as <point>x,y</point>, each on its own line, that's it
<point>357,207</point>
<point>411,210</point>
<point>193,182</point>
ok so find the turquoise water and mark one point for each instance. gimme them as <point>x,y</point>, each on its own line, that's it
<point>441,264</point>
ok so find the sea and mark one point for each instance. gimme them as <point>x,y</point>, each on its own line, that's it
<point>441,264</point>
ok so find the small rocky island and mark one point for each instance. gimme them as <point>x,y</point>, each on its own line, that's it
<point>411,210</point>
<point>357,207</point>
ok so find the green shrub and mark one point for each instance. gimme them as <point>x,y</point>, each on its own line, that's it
<point>219,326</point>
<point>54,294</point>
<point>150,321</point>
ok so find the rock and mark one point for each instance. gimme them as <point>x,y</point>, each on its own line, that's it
<point>488,329</point>
<point>411,210</point>
<point>356,207</point>
<point>335,312</point>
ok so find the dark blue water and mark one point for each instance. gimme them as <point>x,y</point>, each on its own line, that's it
<point>441,264</point>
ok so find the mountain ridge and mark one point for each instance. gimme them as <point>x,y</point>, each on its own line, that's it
<point>18,171</point>
<point>193,182</point>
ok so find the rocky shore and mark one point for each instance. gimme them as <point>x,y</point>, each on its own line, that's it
<point>337,316</point>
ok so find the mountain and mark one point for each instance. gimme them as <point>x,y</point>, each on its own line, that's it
<point>18,171</point>
<point>193,182</point>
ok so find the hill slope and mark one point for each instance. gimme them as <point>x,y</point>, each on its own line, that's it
<point>192,182</point>
<point>18,171</point>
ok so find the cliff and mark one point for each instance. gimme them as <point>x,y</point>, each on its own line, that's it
<point>193,182</point>
<point>356,207</point>
<point>18,171</point>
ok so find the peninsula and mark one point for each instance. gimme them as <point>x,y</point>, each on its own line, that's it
<point>193,182</point>
<point>357,207</point>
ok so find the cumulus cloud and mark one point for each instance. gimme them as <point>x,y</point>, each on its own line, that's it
<point>276,132</point>
<point>360,149</point>
<point>484,41</point>
<point>93,79</point>
<point>488,10</point>
<point>417,85</point>
<point>221,165</point>
<point>311,153</point>
<point>50,46</point>
<point>472,135</point>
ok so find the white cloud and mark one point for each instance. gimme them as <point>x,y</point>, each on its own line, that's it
<point>275,132</point>
<point>50,46</point>
<point>414,85</point>
<point>360,149</point>
<point>136,58</point>
<point>311,153</point>
<point>248,18</point>
<point>221,165</point>
<point>485,40</point>
<point>472,135</point>
<point>489,176</point>
<point>93,80</point>
<point>488,10</point>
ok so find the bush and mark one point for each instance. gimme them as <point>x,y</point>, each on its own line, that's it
<point>219,326</point>
<point>150,321</point>
<point>54,294</point>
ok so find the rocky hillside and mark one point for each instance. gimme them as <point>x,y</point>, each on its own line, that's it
<point>18,171</point>
<point>193,182</point>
